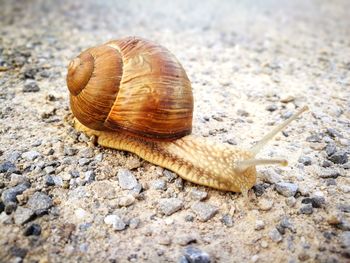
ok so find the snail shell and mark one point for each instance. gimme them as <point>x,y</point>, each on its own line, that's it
<point>133,85</point>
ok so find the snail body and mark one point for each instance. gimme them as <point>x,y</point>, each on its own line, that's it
<point>134,95</point>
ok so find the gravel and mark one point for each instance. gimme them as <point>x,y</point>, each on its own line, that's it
<point>10,194</point>
<point>305,160</point>
<point>31,155</point>
<point>22,215</point>
<point>7,166</point>
<point>115,221</point>
<point>286,189</point>
<point>159,184</point>
<point>30,86</point>
<point>169,206</point>
<point>316,201</point>
<point>259,225</point>
<point>204,211</point>
<point>195,255</point>
<point>306,209</point>
<point>275,235</point>
<point>32,230</point>
<point>227,220</point>
<point>126,179</point>
<point>40,203</point>
<point>198,195</point>
<point>339,157</point>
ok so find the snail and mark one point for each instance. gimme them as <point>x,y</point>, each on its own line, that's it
<point>134,95</point>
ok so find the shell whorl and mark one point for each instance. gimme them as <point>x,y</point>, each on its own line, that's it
<point>133,85</point>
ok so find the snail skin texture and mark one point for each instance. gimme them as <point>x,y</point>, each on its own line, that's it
<point>133,95</point>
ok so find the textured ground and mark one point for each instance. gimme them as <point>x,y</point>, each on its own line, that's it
<point>251,64</point>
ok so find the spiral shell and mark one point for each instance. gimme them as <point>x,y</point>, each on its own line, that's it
<point>132,85</point>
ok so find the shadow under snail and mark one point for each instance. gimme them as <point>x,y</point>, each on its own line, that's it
<point>134,95</point>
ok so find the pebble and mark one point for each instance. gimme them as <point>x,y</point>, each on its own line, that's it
<point>306,209</point>
<point>290,201</point>
<point>14,156</point>
<point>84,161</point>
<point>259,225</point>
<point>40,203</point>
<point>179,183</point>
<point>339,157</point>
<point>126,200</point>
<point>195,255</point>
<point>345,241</point>
<point>17,179</point>
<point>89,176</point>
<point>286,189</point>
<point>134,223</point>
<point>330,149</point>
<point>7,166</point>
<point>49,170</point>
<point>287,223</point>
<point>30,85</point>
<point>31,155</point>
<point>306,160</point>
<point>159,184</point>
<point>169,206</point>
<point>22,215</point>
<point>57,180</point>
<point>344,208</point>
<point>326,164</point>
<point>227,220</point>
<point>316,201</point>
<point>275,235</point>
<point>329,173</point>
<point>265,204</point>
<point>116,222</point>
<point>204,211</point>
<point>86,153</point>
<point>259,189</point>
<point>170,176</point>
<point>69,151</point>
<point>271,107</point>
<point>126,179</point>
<point>99,157</point>
<point>186,239</point>
<point>33,230</point>
<point>9,195</point>
<point>314,138</point>
<point>198,194</point>
<point>271,176</point>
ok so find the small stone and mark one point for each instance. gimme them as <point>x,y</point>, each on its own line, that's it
<point>326,164</point>
<point>57,180</point>
<point>30,85</point>
<point>304,189</point>
<point>133,163</point>
<point>290,201</point>
<point>179,183</point>
<point>159,184</point>
<point>271,107</point>
<point>169,206</point>
<point>86,153</point>
<point>316,201</point>
<point>286,189</point>
<point>10,194</point>
<point>306,209</point>
<point>69,151</point>
<point>31,155</point>
<point>227,220</point>
<point>22,215</point>
<point>134,223</point>
<point>329,173</point>
<point>99,157</point>
<point>33,230</point>
<point>127,180</point>
<point>116,222</point>
<point>275,235</point>
<point>195,255</point>
<point>185,239</point>
<point>17,179</point>
<point>89,176</point>
<point>330,149</point>
<point>306,160</point>
<point>170,176</point>
<point>259,225</point>
<point>126,200</point>
<point>84,161</point>
<point>66,176</point>
<point>198,194</point>
<point>259,189</point>
<point>331,181</point>
<point>189,218</point>
<point>204,211</point>
<point>49,170</point>
<point>14,156</point>
<point>164,240</point>
<point>40,203</point>
<point>265,204</point>
<point>7,166</point>
<point>345,241</point>
<point>18,252</point>
<point>287,99</point>
<point>287,223</point>
<point>10,207</point>
<point>264,244</point>
<point>314,138</point>
<point>271,176</point>
<point>339,157</point>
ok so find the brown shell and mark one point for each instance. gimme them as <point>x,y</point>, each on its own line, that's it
<point>134,85</point>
